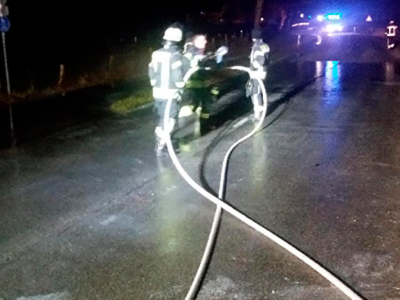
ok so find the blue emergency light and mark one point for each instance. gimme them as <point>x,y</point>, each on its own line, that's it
<point>333,17</point>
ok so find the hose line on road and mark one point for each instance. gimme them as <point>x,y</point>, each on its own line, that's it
<point>221,195</point>
<point>221,205</point>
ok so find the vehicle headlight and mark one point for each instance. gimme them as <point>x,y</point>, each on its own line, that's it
<point>333,28</point>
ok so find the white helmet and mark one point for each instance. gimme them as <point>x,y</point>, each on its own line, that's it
<point>173,34</point>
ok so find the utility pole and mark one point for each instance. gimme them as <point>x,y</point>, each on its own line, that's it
<point>259,8</point>
<point>4,27</point>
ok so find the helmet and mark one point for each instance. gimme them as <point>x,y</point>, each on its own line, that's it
<point>391,22</point>
<point>173,34</point>
<point>256,34</point>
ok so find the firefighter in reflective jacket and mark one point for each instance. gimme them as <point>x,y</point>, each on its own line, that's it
<point>188,46</point>
<point>391,35</point>
<point>166,77</point>
<point>258,66</point>
<point>194,54</point>
<point>195,58</point>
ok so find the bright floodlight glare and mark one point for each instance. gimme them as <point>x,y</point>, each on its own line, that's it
<point>330,28</point>
<point>320,18</point>
<point>369,19</point>
<point>262,19</point>
<point>302,16</point>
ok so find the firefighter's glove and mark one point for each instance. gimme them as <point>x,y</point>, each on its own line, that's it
<point>220,53</point>
<point>249,88</point>
<point>178,96</point>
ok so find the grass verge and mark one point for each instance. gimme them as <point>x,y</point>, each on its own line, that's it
<point>128,104</point>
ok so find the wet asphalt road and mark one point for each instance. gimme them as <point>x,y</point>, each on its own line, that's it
<point>90,213</point>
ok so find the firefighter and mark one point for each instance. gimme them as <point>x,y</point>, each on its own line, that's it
<point>258,65</point>
<point>194,49</point>
<point>391,35</point>
<point>195,57</point>
<point>188,42</point>
<point>166,77</point>
<point>194,54</point>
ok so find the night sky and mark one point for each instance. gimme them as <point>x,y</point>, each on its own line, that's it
<point>44,28</point>
<point>47,17</point>
<point>46,33</point>
<point>88,16</point>
<point>51,30</point>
